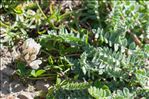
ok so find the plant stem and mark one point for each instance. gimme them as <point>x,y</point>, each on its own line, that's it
<point>41,10</point>
<point>39,78</point>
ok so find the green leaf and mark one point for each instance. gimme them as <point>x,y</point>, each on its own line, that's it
<point>40,72</point>
<point>84,70</point>
<point>33,73</point>
<point>146,47</point>
<point>18,9</point>
<point>126,92</point>
<point>50,60</point>
<point>124,42</point>
<point>116,46</point>
<point>132,46</point>
<point>21,68</point>
<point>37,73</point>
<point>58,81</point>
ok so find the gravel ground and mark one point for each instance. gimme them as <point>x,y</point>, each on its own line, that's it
<point>11,86</point>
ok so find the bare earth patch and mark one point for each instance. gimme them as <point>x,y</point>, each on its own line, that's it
<point>11,86</point>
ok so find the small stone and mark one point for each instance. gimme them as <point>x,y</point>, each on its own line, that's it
<point>7,70</point>
<point>25,95</point>
<point>9,97</point>
<point>16,86</point>
<point>4,87</point>
<point>30,88</point>
<point>40,85</point>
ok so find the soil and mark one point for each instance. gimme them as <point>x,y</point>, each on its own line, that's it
<point>11,86</point>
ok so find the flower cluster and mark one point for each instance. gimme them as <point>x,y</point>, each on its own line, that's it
<point>29,52</point>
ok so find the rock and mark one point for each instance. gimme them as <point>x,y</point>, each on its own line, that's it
<point>5,60</point>
<point>11,88</point>
<point>9,97</point>
<point>41,85</point>
<point>30,88</point>
<point>16,86</point>
<point>4,89</point>
<point>7,70</point>
<point>69,4</point>
<point>5,56</point>
<point>25,95</point>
